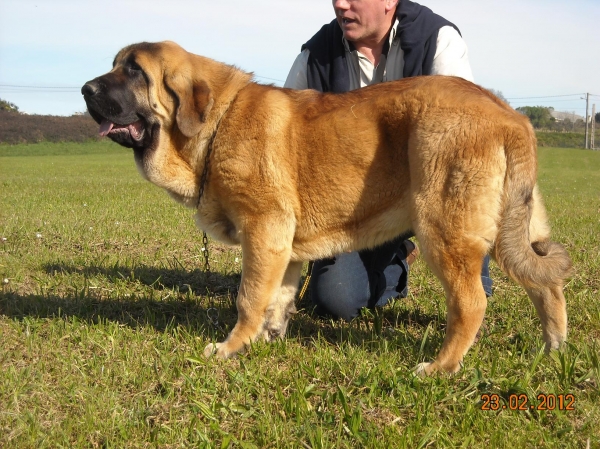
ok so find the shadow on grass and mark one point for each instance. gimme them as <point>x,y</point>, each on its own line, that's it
<point>172,302</point>
<point>182,279</point>
<point>369,328</point>
<point>201,302</point>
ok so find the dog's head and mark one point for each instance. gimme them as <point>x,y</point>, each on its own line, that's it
<point>164,103</point>
<point>152,88</point>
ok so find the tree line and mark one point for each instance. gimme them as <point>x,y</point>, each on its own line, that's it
<point>541,118</point>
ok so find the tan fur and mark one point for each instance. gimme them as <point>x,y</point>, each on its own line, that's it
<point>299,175</point>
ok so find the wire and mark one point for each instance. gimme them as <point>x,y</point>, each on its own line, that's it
<point>39,91</point>
<point>271,79</point>
<point>547,101</point>
<point>546,96</point>
<point>38,87</point>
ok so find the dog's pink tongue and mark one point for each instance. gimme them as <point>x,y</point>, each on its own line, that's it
<point>105,127</point>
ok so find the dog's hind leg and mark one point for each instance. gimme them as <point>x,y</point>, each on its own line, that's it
<point>541,268</point>
<point>551,308</point>
<point>459,269</point>
<point>549,300</point>
<point>266,248</point>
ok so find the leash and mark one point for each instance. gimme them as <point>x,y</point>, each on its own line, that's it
<point>212,312</point>
<point>306,281</point>
<point>203,179</point>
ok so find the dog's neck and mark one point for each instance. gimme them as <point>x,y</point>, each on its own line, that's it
<point>194,152</point>
<point>224,84</point>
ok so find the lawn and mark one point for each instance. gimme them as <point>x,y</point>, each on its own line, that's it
<point>105,310</point>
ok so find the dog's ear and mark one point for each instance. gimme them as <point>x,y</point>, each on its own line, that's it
<point>194,102</point>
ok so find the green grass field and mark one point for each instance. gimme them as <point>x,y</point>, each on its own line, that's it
<point>105,311</point>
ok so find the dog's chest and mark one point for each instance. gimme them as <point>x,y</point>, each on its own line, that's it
<point>213,219</point>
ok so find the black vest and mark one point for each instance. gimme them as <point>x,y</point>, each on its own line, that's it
<point>418,28</point>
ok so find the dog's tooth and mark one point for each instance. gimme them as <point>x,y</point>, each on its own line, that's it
<point>135,129</point>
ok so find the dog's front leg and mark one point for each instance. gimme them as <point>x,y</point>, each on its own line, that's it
<point>266,249</point>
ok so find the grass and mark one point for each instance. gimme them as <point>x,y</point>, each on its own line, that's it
<point>106,311</point>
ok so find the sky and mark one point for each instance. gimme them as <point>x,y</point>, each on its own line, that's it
<point>535,52</point>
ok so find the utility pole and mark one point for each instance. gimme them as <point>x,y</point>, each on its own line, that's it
<point>592,144</point>
<point>587,104</point>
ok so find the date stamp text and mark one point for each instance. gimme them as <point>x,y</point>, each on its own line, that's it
<point>522,402</point>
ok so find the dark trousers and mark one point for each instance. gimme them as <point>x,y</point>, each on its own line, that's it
<point>344,284</point>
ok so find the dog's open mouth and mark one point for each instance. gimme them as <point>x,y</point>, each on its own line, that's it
<point>132,132</point>
<point>135,130</point>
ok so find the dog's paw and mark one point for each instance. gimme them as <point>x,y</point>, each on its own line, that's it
<point>555,344</point>
<point>214,349</point>
<point>427,369</point>
<point>210,349</point>
<point>219,350</point>
<point>272,334</point>
<point>423,369</point>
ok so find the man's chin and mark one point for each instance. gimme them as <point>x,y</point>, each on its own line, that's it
<point>351,35</point>
<point>350,31</point>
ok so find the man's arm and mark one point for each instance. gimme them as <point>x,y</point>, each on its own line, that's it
<point>451,55</point>
<point>296,79</point>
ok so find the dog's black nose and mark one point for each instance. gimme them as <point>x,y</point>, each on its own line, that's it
<point>89,89</point>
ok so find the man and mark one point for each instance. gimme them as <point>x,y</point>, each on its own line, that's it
<point>369,42</point>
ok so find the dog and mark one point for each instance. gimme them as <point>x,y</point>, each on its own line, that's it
<point>293,176</point>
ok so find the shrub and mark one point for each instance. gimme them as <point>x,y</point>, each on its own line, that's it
<point>23,128</point>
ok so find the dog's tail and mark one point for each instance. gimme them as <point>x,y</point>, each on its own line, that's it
<point>523,248</point>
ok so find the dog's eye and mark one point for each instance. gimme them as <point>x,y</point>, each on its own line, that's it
<point>133,67</point>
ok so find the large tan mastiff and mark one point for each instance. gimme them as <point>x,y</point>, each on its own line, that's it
<point>299,175</point>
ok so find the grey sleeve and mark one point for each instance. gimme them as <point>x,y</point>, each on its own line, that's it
<point>452,55</point>
<point>296,79</point>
